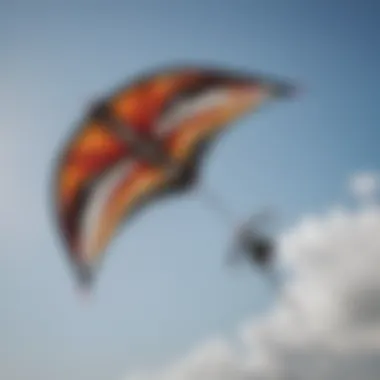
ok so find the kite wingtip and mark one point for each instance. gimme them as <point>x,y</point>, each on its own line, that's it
<point>289,90</point>
<point>85,281</point>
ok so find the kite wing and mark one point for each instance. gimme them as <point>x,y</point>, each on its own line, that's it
<point>99,183</point>
<point>187,107</point>
<point>121,192</point>
<point>189,128</point>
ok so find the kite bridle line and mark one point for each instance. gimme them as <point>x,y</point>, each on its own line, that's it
<point>219,207</point>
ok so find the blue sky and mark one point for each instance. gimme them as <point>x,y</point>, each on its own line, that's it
<point>164,287</point>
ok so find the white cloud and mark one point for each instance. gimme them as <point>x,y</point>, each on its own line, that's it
<point>326,325</point>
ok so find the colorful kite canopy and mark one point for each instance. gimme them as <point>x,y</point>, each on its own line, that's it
<point>145,141</point>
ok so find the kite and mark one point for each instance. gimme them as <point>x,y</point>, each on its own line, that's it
<point>145,141</point>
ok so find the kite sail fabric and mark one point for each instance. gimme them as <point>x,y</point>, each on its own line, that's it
<point>91,152</point>
<point>185,106</point>
<point>143,141</point>
<point>99,182</point>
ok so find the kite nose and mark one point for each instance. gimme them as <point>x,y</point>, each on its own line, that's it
<point>285,90</point>
<point>278,88</point>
